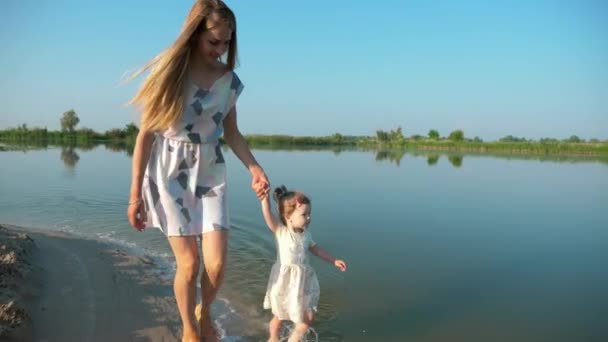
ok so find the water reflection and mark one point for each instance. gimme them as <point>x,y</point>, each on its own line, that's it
<point>390,155</point>
<point>120,146</point>
<point>85,145</point>
<point>69,156</point>
<point>455,160</point>
<point>395,156</point>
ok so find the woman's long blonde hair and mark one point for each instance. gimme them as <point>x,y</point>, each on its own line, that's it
<point>161,96</point>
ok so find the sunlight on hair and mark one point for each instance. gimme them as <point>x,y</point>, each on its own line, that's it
<point>160,99</point>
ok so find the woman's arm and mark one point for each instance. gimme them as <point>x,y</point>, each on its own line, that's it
<point>271,221</point>
<point>141,154</point>
<point>237,143</point>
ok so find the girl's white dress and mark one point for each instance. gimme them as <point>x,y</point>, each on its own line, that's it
<point>293,287</point>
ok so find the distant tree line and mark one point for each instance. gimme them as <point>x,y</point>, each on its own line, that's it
<point>68,133</point>
<point>395,138</point>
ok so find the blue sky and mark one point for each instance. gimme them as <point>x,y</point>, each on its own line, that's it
<point>527,68</point>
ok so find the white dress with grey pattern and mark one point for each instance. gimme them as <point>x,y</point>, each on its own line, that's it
<point>184,186</point>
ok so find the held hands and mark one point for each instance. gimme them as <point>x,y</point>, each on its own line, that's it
<point>259,182</point>
<point>136,214</point>
<point>340,264</point>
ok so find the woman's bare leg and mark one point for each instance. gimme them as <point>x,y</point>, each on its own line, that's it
<point>215,251</point>
<point>187,259</point>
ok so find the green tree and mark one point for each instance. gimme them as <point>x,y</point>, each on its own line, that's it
<point>131,129</point>
<point>396,135</point>
<point>115,134</point>
<point>337,138</point>
<point>510,138</point>
<point>574,139</point>
<point>69,120</point>
<point>457,135</point>
<point>382,136</point>
<point>433,134</point>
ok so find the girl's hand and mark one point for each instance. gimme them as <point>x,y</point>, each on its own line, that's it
<point>136,214</point>
<point>259,182</point>
<point>340,264</point>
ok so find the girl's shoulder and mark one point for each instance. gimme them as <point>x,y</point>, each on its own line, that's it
<point>281,228</point>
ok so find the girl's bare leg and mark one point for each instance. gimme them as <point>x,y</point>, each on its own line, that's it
<point>301,328</point>
<point>274,329</point>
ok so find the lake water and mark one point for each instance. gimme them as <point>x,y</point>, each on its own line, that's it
<point>439,247</point>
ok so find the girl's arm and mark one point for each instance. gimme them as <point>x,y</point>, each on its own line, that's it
<point>324,255</point>
<point>271,222</point>
<point>236,141</point>
<point>141,154</point>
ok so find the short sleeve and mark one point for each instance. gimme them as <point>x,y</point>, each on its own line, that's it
<point>280,231</point>
<point>311,242</point>
<point>236,88</point>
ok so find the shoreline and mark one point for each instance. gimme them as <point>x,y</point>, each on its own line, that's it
<point>58,287</point>
<point>532,148</point>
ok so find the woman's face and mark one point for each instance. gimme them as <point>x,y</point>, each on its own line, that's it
<point>214,42</point>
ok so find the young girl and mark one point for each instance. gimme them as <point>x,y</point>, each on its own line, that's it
<point>293,288</point>
<point>188,101</point>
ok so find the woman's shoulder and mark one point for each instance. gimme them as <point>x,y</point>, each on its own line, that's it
<point>223,69</point>
<point>230,76</point>
<point>235,82</point>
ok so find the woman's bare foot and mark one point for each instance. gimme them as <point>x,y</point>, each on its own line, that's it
<point>192,337</point>
<point>208,332</point>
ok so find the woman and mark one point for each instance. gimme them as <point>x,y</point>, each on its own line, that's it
<point>178,184</point>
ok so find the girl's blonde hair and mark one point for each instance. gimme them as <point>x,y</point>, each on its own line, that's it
<point>288,201</point>
<point>161,96</point>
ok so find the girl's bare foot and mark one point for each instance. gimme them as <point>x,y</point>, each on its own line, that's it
<point>298,332</point>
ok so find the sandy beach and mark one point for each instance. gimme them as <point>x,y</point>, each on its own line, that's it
<point>58,287</point>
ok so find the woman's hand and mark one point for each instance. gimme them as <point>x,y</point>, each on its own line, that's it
<point>136,214</point>
<point>259,181</point>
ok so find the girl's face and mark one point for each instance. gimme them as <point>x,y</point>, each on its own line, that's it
<point>300,218</point>
<point>213,43</point>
